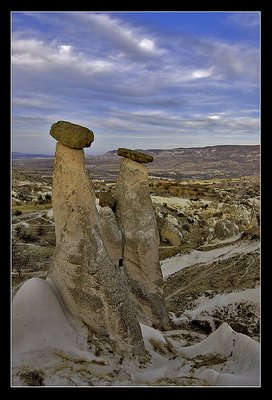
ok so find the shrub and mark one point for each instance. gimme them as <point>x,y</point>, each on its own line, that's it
<point>31,378</point>
<point>17,212</point>
<point>48,197</point>
<point>30,237</point>
<point>26,234</point>
<point>40,230</point>
<point>18,230</point>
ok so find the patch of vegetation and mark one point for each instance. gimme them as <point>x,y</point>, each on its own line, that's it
<point>208,360</point>
<point>160,347</point>
<point>235,273</point>
<point>27,234</point>
<point>20,259</point>
<point>242,319</point>
<point>201,326</point>
<point>79,360</point>
<point>30,207</point>
<point>17,212</point>
<point>170,251</point>
<point>31,377</point>
<point>29,259</point>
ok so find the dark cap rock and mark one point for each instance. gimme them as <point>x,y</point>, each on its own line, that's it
<point>134,155</point>
<point>72,135</point>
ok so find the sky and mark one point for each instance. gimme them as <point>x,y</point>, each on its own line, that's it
<point>141,80</point>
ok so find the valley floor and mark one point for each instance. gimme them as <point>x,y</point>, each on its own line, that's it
<point>210,260</point>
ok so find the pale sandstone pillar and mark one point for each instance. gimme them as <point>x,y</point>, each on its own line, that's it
<point>89,283</point>
<point>137,221</point>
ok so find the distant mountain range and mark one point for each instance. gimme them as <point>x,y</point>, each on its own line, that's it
<point>16,155</point>
<point>195,162</point>
<point>206,150</point>
<point>200,162</point>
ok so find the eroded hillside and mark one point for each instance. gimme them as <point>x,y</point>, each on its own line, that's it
<point>210,260</point>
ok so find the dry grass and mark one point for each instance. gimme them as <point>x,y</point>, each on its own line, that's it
<point>160,347</point>
<point>30,207</point>
<point>78,360</point>
<point>170,251</point>
<point>219,276</point>
<point>208,361</point>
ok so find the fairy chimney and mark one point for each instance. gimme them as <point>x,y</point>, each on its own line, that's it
<point>89,283</point>
<point>136,218</point>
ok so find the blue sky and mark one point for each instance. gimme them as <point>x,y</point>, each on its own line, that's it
<point>137,79</point>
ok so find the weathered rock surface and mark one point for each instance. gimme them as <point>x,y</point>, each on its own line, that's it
<point>134,155</point>
<point>171,234</point>
<point>72,135</point>
<point>111,234</point>
<point>225,229</point>
<point>90,285</point>
<point>136,217</point>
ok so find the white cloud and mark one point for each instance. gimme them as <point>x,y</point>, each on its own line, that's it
<point>225,61</point>
<point>245,19</point>
<point>65,50</point>
<point>147,45</point>
<point>236,60</point>
<point>122,79</point>
<point>35,100</point>
<point>202,73</point>
<point>124,37</point>
<point>214,117</point>
<point>48,56</point>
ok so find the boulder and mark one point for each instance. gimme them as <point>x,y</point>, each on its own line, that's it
<point>171,234</point>
<point>136,218</point>
<point>72,135</point>
<point>225,229</point>
<point>134,155</point>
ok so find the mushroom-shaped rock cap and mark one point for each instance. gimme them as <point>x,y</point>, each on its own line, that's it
<point>72,135</point>
<point>134,155</point>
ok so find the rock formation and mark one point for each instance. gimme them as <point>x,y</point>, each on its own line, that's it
<point>111,234</point>
<point>137,221</point>
<point>171,234</point>
<point>134,155</point>
<point>72,135</point>
<point>89,283</point>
